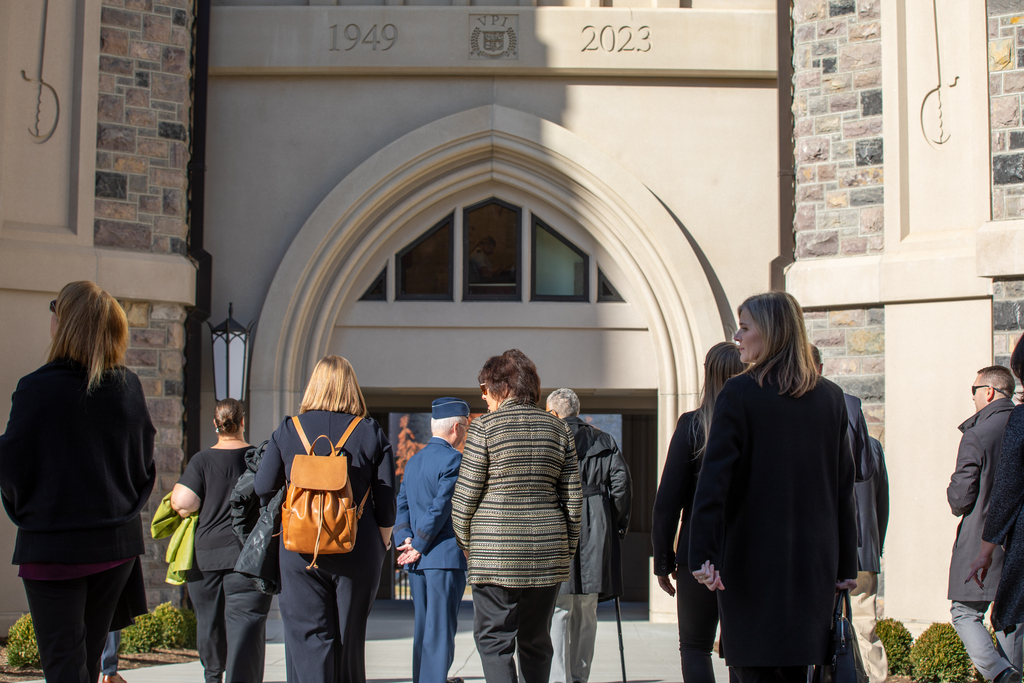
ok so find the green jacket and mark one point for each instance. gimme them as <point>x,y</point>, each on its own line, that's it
<point>181,550</point>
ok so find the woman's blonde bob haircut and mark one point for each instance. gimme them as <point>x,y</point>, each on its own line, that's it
<point>92,330</point>
<point>786,354</point>
<point>334,387</point>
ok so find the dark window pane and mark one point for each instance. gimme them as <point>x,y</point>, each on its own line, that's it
<point>605,291</point>
<point>424,267</point>
<point>560,269</point>
<point>378,291</point>
<point>492,251</point>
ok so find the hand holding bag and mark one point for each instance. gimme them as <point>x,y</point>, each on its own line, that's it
<point>843,663</point>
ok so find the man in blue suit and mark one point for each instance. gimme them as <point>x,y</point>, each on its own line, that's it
<point>425,537</point>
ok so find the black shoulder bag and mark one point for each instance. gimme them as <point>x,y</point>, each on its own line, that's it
<point>843,663</point>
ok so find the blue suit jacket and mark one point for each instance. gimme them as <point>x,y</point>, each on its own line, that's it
<point>425,506</point>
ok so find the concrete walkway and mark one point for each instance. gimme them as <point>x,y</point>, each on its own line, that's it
<point>652,650</point>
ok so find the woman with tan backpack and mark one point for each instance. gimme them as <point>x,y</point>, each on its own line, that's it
<point>339,470</point>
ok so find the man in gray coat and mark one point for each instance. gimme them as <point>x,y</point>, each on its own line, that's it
<point>873,514</point>
<point>968,493</point>
<point>595,572</point>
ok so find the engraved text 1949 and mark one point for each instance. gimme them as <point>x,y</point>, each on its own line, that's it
<point>382,39</point>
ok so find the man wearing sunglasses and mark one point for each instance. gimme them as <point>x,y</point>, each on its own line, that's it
<point>968,493</point>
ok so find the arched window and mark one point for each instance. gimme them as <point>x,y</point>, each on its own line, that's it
<point>561,271</point>
<point>423,270</point>
<point>491,240</point>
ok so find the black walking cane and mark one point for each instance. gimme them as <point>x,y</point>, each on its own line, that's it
<point>622,651</point>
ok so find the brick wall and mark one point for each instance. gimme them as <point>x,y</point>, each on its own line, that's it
<point>155,354</point>
<point>852,345</point>
<point>838,111</point>
<point>142,133</point>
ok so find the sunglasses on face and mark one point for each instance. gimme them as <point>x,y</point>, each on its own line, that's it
<point>53,307</point>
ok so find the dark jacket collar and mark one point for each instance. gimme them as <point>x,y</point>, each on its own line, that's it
<point>1001,405</point>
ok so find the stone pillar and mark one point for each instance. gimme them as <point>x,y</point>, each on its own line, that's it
<point>143,125</point>
<point>155,355</point>
<point>838,110</point>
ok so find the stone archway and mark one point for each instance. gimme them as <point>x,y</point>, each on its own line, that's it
<point>490,143</point>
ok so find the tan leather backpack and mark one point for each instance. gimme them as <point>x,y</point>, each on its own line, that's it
<point>319,515</point>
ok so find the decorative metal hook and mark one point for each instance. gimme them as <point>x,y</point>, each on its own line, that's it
<point>37,136</point>
<point>943,136</point>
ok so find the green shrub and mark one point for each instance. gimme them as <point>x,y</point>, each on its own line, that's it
<point>22,649</point>
<point>939,656</point>
<point>142,636</point>
<point>172,625</point>
<point>896,640</point>
<point>165,626</point>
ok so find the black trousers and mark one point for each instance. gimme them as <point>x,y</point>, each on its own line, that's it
<point>71,619</point>
<point>697,609</point>
<point>325,612</point>
<point>505,619</point>
<point>770,674</point>
<point>231,625</point>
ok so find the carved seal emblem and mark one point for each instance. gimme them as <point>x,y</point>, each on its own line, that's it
<point>493,36</point>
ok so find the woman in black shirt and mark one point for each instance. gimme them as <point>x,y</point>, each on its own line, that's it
<point>697,607</point>
<point>231,614</point>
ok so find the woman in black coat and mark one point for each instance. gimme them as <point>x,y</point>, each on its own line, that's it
<point>325,603</point>
<point>1005,510</point>
<point>774,518</point>
<point>696,607</point>
<point>76,469</point>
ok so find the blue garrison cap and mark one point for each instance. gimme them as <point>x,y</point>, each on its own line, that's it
<point>448,407</point>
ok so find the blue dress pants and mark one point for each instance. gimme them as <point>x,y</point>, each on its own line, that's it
<point>436,596</point>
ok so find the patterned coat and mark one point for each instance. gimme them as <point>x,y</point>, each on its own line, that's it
<point>516,506</point>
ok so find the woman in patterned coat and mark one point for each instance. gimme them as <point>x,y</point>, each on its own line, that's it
<point>516,513</point>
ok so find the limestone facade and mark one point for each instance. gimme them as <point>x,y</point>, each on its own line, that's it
<point>839,144</point>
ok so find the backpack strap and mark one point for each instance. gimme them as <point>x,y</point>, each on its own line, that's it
<point>348,432</point>
<point>302,434</point>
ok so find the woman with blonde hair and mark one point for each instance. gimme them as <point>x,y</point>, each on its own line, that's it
<point>76,469</point>
<point>325,601</point>
<point>774,525</point>
<point>696,607</point>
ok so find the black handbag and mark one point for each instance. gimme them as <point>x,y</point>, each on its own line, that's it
<point>843,663</point>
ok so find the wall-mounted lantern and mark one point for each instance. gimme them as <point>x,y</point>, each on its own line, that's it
<point>231,348</point>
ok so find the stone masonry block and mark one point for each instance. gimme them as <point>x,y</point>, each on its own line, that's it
<point>169,88</point>
<point>867,31</point>
<point>174,60</point>
<point>869,341</point>
<point>832,29</point>
<point>170,226</point>
<point>867,197</point>
<point>828,338</point>
<point>854,317</point>
<point>871,103</point>
<point>146,338</point>
<point>869,152</point>
<point>841,366</point>
<point>124,211</point>
<point>114,138</point>
<point>165,411</point>
<point>110,108</point>
<point>872,220</point>
<point>808,80</point>
<point>840,7</point>
<point>121,19</point>
<point>172,312</point>
<point>869,389</point>
<point>1001,55</point>
<point>171,363</point>
<point>837,220</point>
<point>1008,289</point>
<point>867,79</point>
<point>863,128</point>
<point>142,358</point>
<point>853,246</point>
<point>812,150</point>
<point>861,177</point>
<point>1013,82</point>
<point>1008,315</point>
<point>118,235</point>
<point>142,50</point>
<point>837,200</point>
<point>172,203</point>
<point>111,185</point>
<point>809,193</point>
<point>113,42</point>
<point>166,178</point>
<point>858,56</point>
<point>156,28</point>
<point>805,217</point>
<point>1008,169</point>
<point>868,10</point>
<point>137,312</point>
<point>808,10</point>
<point>817,243</point>
<point>843,102</point>
<point>153,148</point>
<point>826,172</point>
<point>130,164</point>
<point>1005,112</point>
<point>168,458</point>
